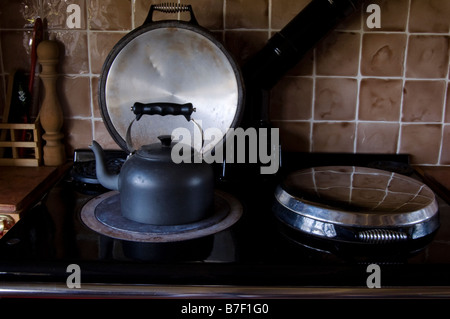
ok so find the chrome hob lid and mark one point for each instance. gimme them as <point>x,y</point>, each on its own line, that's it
<point>170,62</point>
<point>356,204</point>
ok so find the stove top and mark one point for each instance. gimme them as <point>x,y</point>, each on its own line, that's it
<point>256,251</point>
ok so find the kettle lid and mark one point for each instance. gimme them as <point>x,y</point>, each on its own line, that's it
<point>162,151</point>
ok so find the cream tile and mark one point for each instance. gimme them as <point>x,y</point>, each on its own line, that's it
<point>291,99</point>
<point>380,100</point>
<point>101,44</point>
<point>247,14</point>
<point>77,134</point>
<point>73,51</point>
<point>377,137</point>
<point>244,44</point>
<point>74,96</point>
<point>103,137</point>
<point>445,156</point>
<point>383,54</point>
<point>422,142</point>
<point>335,99</point>
<point>423,101</point>
<point>15,50</point>
<point>294,136</point>
<point>283,11</point>
<point>338,54</point>
<point>109,14</point>
<point>326,86</point>
<point>394,14</point>
<point>333,137</point>
<point>429,16</point>
<point>427,57</point>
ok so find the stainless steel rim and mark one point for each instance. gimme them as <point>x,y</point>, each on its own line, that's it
<point>302,192</point>
<point>360,219</point>
<point>170,61</point>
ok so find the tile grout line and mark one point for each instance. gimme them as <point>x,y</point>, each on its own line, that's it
<point>358,79</point>
<point>444,112</point>
<point>402,98</point>
<point>91,88</point>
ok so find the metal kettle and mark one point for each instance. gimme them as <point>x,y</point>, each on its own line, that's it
<point>153,188</point>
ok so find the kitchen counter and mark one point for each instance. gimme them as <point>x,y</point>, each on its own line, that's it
<point>22,187</point>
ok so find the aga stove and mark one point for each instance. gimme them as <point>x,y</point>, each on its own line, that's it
<point>257,249</point>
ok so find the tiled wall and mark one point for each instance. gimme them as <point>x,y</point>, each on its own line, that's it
<point>360,90</point>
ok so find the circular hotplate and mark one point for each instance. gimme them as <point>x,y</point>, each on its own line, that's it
<point>102,214</point>
<point>356,204</point>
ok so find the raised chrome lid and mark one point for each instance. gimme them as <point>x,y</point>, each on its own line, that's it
<point>175,62</point>
<point>356,196</point>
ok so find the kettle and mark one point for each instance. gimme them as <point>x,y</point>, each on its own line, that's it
<point>153,189</point>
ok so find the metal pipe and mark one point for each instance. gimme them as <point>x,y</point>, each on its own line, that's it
<point>285,49</point>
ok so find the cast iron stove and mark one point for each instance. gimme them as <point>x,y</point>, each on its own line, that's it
<point>257,251</point>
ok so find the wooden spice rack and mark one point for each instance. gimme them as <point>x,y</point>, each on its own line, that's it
<point>21,158</point>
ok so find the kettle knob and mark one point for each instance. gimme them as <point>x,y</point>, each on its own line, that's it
<point>166,140</point>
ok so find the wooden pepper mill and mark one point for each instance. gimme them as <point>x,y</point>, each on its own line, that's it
<point>51,115</point>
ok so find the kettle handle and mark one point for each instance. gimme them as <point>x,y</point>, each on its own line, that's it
<point>162,108</point>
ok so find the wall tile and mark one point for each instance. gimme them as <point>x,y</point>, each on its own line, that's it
<point>284,11</point>
<point>379,100</point>
<point>427,57</point>
<point>375,137</point>
<point>335,99</point>
<point>447,106</point>
<point>423,101</point>
<point>294,136</point>
<point>142,8</point>
<point>15,14</point>
<point>429,16</point>
<point>101,44</point>
<point>352,23</point>
<point>21,14</point>
<point>73,52</point>
<point>247,14</point>
<point>383,54</point>
<point>305,66</point>
<point>56,14</point>
<point>394,14</point>
<point>77,134</point>
<point>333,137</point>
<point>338,54</point>
<point>445,156</point>
<point>208,13</point>
<point>16,52</point>
<point>109,14</point>
<point>74,96</point>
<point>103,137</point>
<point>243,44</point>
<point>95,103</point>
<point>344,95</point>
<point>422,142</point>
<point>291,99</point>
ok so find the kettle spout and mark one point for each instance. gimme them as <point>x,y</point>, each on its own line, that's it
<point>108,180</point>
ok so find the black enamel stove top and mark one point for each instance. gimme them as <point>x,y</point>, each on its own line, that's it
<point>256,251</point>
